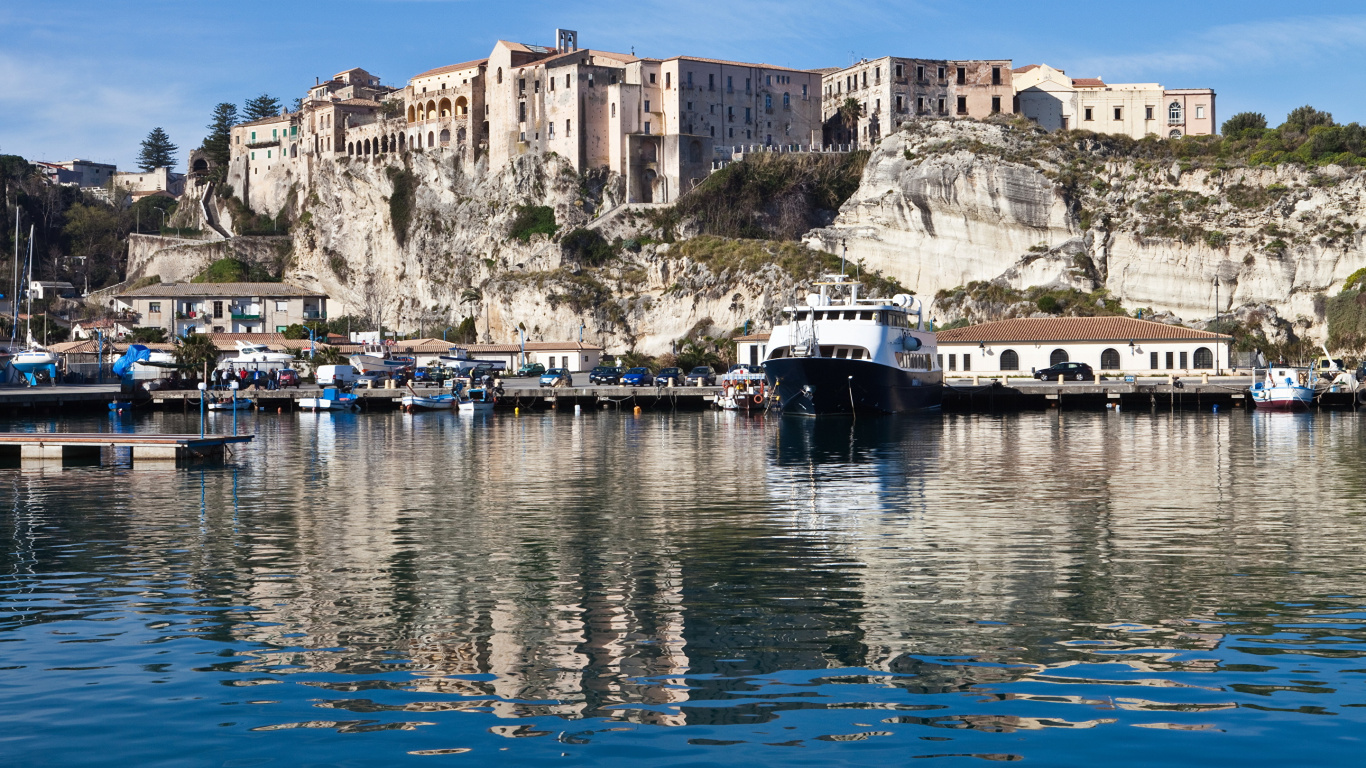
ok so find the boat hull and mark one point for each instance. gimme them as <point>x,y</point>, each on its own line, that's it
<point>1283,399</point>
<point>818,386</point>
<point>324,404</point>
<point>418,402</point>
<point>239,404</point>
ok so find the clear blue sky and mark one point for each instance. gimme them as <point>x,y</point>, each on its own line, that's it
<point>89,79</point>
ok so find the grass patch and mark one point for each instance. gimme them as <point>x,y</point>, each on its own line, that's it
<point>533,220</point>
<point>235,271</point>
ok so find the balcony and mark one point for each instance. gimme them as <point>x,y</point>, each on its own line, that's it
<point>236,316</point>
<point>315,314</point>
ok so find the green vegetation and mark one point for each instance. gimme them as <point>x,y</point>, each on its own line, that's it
<point>148,335</point>
<point>295,331</point>
<point>232,270</point>
<point>722,255</point>
<point>533,220</point>
<point>261,107</point>
<point>766,196</point>
<point>587,247</point>
<point>196,352</point>
<point>143,282</point>
<point>1235,126</point>
<point>245,221</point>
<point>402,201</point>
<point>216,143</point>
<point>157,151</point>
<point>994,301</point>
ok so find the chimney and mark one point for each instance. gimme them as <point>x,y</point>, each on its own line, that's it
<point>317,81</point>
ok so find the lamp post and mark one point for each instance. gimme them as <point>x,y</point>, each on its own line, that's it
<point>202,387</point>
<point>1216,324</point>
<point>234,407</point>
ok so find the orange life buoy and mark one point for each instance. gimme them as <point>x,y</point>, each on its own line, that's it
<point>758,399</point>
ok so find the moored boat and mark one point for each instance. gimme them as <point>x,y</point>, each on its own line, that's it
<point>415,402</point>
<point>332,399</point>
<point>1284,389</point>
<point>477,400</point>
<point>232,404</point>
<point>846,355</point>
<point>743,388</point>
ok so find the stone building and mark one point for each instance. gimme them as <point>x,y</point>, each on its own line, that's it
<point>1057,102</point>
<point>140,184</point>
<point>893,89</point>
<point>87,173</point>
<point>183,308</point>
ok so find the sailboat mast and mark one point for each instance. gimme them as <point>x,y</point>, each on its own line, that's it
<point>28,279</point>
<point>14,295</point>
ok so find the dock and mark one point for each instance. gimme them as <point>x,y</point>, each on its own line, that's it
<point>54,447</point>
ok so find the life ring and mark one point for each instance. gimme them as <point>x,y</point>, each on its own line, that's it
<point>758,399</point>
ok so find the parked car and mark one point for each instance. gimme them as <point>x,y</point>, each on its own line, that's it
<point>1077,371</point>
<point>337,375</point>
<point>554,376</point>
<point>637,377</point>
<point>529,370</point>
<point>667,375</point>
<point>372,380</point>
<point>702,376</point>
<point>288,377</point>
<point>605,374</point>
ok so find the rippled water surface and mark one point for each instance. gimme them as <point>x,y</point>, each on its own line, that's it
<point>370,589</point>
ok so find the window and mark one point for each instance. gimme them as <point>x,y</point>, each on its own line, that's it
<point>898,103</point>
<point>521,85</point>
<point>920,72</point>
<point>730,83</point>
<point>995,75</point>
<point>1184,359</point>
<point>995,105</point>
<point>500,75</point>
<point>768,79</point>
<point>689,79</point>
<point>939,361</point>
<point>614,109</point>
<point>552,83</point>
<point>652,78</point>
<point>253,137</point>
<point>1199,112</point>
<point>768,102</point>
<point>536,86</point>
<point>1086,114</point>
<point>962,105</point>
<point>1010,360</point>
<point>647,105</point>
<point>1058,357</point>
<point>1152,360</point>
<point>567,132</point>
<point>590,80</point>
<point>1109,360</point>
<point>898,70</point>
<point>566,81</point>
<point>748,89</point>
<point>919,103</point>
<point>1171,361</point>
<point>1148,113</point>
<point>1175,134</point>
<point>941,107</point>
<point>803,92</point>
<point>967,362</point>
<point>962,75</point>
<point>281,306</point>
<point>711,82</point>
<point>281,328</point>
<point>1119,113</point>
<point>668,80</point>
<point>953,362</point>
<point>941,73</point>
<point>1204,358</point>
<point>550,130</point>
<point>1174,112</point>
<point>647,127</point>
<point>154,307</point>
<point>521,111</point>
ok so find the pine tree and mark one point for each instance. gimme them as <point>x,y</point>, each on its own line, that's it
<point>157,151</point>
<point>262,106</point>
<point>216,144</point>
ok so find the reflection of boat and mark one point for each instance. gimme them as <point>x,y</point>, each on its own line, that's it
<point>856,355</point>
<point>477,400</point>
<point>250,355</point>
<point>332,399</point>
<point>428,402</point>
<point>235,404</point>
<point>1284,389</point>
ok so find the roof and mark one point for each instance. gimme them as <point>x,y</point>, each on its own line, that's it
<point>1087,82</point>
<point>533,346</point>
<point>451,68</point>
<point>178,290</point>
<point>1058,329</point>
<point>261,121</point>
<point>752,337</point>
<point>751,65</point>
<point>106,322</point>
<point>86,346</point>
<point>359,102</point>
<point>277,341</point>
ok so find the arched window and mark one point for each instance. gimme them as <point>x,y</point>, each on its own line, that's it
<point>1175,134</point>
<point>431,139</point>
<point>431,110</point>
<point>350,148</point>
<point>1204,358</point>
<point>367,146</point>
<point>1109,360</point>
<point>294,151</point>
<point>445,137</point>
<point>412,114</point>
<point>462,106</point>
<point>460,135</point>
<point>787,101</point>
<point>500,75</point>
<point>1010,360</point>
<point>444,107</point>
<point>1058,357</point>
<point>402,139</point>
<point>1174,112</point>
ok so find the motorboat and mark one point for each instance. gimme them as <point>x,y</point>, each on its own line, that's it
<point>36,364</point>
<point>1284,389</point>
<point>257,356</point>
<point>415,402</point>
<point>743,388</point>
<point>232,404</point>
<point>477,400</point>
<point>332,399</point>
<point>376,358</point>
<point>843,354</point>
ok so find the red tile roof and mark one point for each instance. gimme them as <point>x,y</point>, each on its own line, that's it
<point>1087,82</point>
<point>1025,68</point>
<point>753,337</point>
<point>1117,329</point>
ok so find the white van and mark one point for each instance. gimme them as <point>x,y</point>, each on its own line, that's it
<point>337,375</point>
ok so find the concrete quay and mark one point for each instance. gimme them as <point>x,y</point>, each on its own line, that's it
<point>991,394</point>
<point>41,448</point>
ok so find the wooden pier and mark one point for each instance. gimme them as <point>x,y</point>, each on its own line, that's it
<point>53,447</point>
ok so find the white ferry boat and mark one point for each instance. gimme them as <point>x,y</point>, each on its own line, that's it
<point>845,355</point>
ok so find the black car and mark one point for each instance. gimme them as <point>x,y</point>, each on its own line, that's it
<point>702,376</point>
<point>667,375</point>
<point>605,374</point>
<point>1074,371</point>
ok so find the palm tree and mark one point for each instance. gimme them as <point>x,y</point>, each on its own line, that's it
<point>849,113</point>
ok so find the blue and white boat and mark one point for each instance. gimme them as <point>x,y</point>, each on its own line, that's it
<point>1284,389</point>
<point>332,399</point>
<point>415,402</point>
<point>842,354</point>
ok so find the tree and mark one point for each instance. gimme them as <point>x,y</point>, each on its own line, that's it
<point>1303,118</point>
<point>849,113</point>
<point>216,144</point>
<point>148,334</point>
<point>1236,127</point>
<point>195,352</point>
<point>262,106</point>
<point>467,333</point>
<point>157,151</point>
<point>296,331</point>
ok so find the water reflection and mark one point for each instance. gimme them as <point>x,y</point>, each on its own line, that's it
<point>761,583</point>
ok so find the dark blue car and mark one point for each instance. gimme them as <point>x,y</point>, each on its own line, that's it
<point>637,377</point>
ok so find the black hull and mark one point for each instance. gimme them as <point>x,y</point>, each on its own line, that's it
<point>817,386</point>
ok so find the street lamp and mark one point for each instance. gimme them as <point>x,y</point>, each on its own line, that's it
<point>1216,324</point>
<point>202,386</point>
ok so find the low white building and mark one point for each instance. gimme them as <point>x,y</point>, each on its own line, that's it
<point>751,349</point>
<point>1110,345</point>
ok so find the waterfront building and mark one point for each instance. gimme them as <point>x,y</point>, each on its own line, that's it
<point>894,89</point>
<point>751,349</point>
<point>1055,101</point>
<point>1111,345</point>
<point>109,328</point>
<point>183,308</point>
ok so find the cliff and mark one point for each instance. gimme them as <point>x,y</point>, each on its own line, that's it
<point>946,204</point>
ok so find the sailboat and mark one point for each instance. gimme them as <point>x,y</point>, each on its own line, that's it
<point>34,359</point>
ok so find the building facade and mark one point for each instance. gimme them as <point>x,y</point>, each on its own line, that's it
<point>1057,102</point>
<point>894,89</point>
<point>140,184</point>
<point>183,308</point>
<point>1110,345</point>
<point>88,173</point>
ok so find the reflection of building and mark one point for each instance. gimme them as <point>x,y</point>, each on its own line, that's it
<point>223,307</point>
<point>1107,344</point>
<point>1055,101</point>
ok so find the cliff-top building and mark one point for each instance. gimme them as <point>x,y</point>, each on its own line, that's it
<point>892,90</point>
<point>1057,102</point>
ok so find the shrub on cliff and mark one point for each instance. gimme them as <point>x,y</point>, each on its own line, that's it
<point>587,247</point>
<point>533,220</point>
<point>401,201</point>
<point>232,270</point>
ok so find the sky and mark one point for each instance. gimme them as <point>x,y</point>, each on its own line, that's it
<point>89,79</point>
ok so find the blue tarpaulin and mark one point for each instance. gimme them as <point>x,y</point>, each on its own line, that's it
<point>136,353</point>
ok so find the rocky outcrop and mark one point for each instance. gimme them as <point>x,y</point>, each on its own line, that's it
<point>946,203</point>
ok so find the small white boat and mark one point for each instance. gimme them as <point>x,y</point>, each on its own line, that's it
<point>743,388</point>
<point>332,399</point>
<point>1284,389</point>
<point>238,404</point>
<point>37,365</point>
<point>428,402</point>
<point>376,358</point>
<point>254,356</point>
<point>477,400</point>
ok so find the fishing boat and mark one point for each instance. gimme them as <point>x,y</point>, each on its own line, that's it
<point>843,354</point>
<point>743,388</point>
<point>332,399</point>
<point>416,402</point>
<point>1284,389</point>
<point>232,404</point>
<point>477,400</point>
